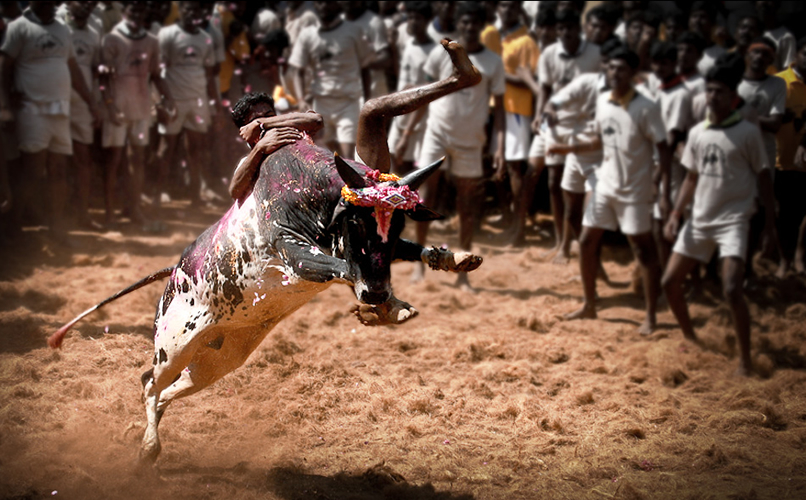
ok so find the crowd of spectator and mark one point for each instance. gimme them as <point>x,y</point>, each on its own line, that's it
<point>679,124</point>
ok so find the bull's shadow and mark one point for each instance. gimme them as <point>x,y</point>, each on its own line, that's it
<point>292,483</point>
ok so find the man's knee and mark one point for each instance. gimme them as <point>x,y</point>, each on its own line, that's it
<point>645,252</point>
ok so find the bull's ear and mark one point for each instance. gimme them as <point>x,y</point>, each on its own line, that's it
<point>422,213</point>
<point>416,179</point>
<point>349,174</point>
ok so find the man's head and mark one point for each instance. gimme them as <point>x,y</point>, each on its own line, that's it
<point>45,11</point>
<point>606,49</point>
<point>621,69</point>
<point>768,11</point>
<point>748,29</point>
<point>760,55</point>
<point>190,15</point>
<point>664,60</point>
<point>157,12</point>
<point>635,27</point>
<point>568,29</point>
<point>419,15</point>
<point>722,81</point>
<point>445,12</point>
<point>800,57</point>
<point>702,18</point>
<point>509,13</point>
<point>134,14</point>
<point>470,18</point>
<point>81,11</point>
<point>690,47</point>
<point>675,23</point>
<point>327,11</point>
<point>252,106</point>
<point>353,9</point>
<point>577,7</point>
<point>600,24</point>
<point>546,27</point>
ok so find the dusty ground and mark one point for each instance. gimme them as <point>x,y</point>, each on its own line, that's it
<point>483,396</point>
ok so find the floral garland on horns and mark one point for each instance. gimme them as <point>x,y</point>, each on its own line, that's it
<point>384,198</point>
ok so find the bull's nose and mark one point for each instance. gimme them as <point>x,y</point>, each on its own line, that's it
<point>374,298</point>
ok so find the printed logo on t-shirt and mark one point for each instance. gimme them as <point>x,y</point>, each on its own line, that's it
<point>757,101</point>
<point>48,45</point>
<point>82,48</point>
<point>713,161</point>
<point>611,130</point>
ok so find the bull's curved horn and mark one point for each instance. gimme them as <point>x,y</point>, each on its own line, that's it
<point>349,174</point>
<point>416,179</point>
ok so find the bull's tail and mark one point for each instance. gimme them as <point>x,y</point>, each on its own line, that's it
<point>55,340</point>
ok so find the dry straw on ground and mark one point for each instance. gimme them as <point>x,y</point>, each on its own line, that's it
<point>483,396</point>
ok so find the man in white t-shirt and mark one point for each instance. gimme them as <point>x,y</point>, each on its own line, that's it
<point>702,20</point>
<point>406,134</point>
<point>727,167</point>
<point>39,67</point>
<point>131,62</point>
<point>785,43</point>
<point>689,52</point>
<point>675,108</point>
<point>630,128</point>
<point>338,56</point>
<point>373,30</point>
<point>456,127</point>
<point>87,45</point>
<point>558,65</point>
<point>188,55</point>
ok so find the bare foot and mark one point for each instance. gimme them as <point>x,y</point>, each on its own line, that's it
<point>586,312</point>
<point>392,312</point>
<point>463,70</point>
<point>546,255</point>
<point>647,327</point>
<point>744,370</point>
<point>463,284</point>
<point>419,273</point>
<point>783,267</point>
<point>562,258</point>
<point>692,337</point>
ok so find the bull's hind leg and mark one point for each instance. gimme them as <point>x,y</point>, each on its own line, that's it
<point>170,358</point>
<point>213,360</point>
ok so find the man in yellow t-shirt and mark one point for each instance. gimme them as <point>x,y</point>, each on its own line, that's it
<point>790,177</point>
<point>518,50</point>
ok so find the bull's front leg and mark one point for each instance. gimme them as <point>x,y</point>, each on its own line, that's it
<point>438,259</point>
<point>309,263</point>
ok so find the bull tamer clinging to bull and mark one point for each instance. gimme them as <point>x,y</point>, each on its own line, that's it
<point>310,220</point>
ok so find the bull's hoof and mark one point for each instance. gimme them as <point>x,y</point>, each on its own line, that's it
<point>392,312</point>
<point>439,259</point>
<point>149,453</point>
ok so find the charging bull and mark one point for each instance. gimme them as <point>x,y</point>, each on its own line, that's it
<point>311,220</point>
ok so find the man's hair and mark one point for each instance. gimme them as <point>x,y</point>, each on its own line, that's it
<point>765,40</point>
<point>709,8</point>
<point>422,8</point>
<point>579,6</point>
<point>475,10</point>
<point>610,45</point>
<point>663,51</point>
<point>568,17</point>
<point>243,108</point>
<point>604,13</point>
<point>653,18</point>
<point>678,16</point>
<point>277,39</point>
<point>728,69</point>
<point>693,39</point>
<point>545,17</point>
<point>626,55</point>
<point>748,14</point>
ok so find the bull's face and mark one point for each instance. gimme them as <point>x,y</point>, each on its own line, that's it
<point>368,222</point>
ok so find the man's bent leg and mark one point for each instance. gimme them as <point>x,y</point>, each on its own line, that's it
<point>57,183</point>
<point>678,268</point>
<point>467,204</point>
<point>588,263</point>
